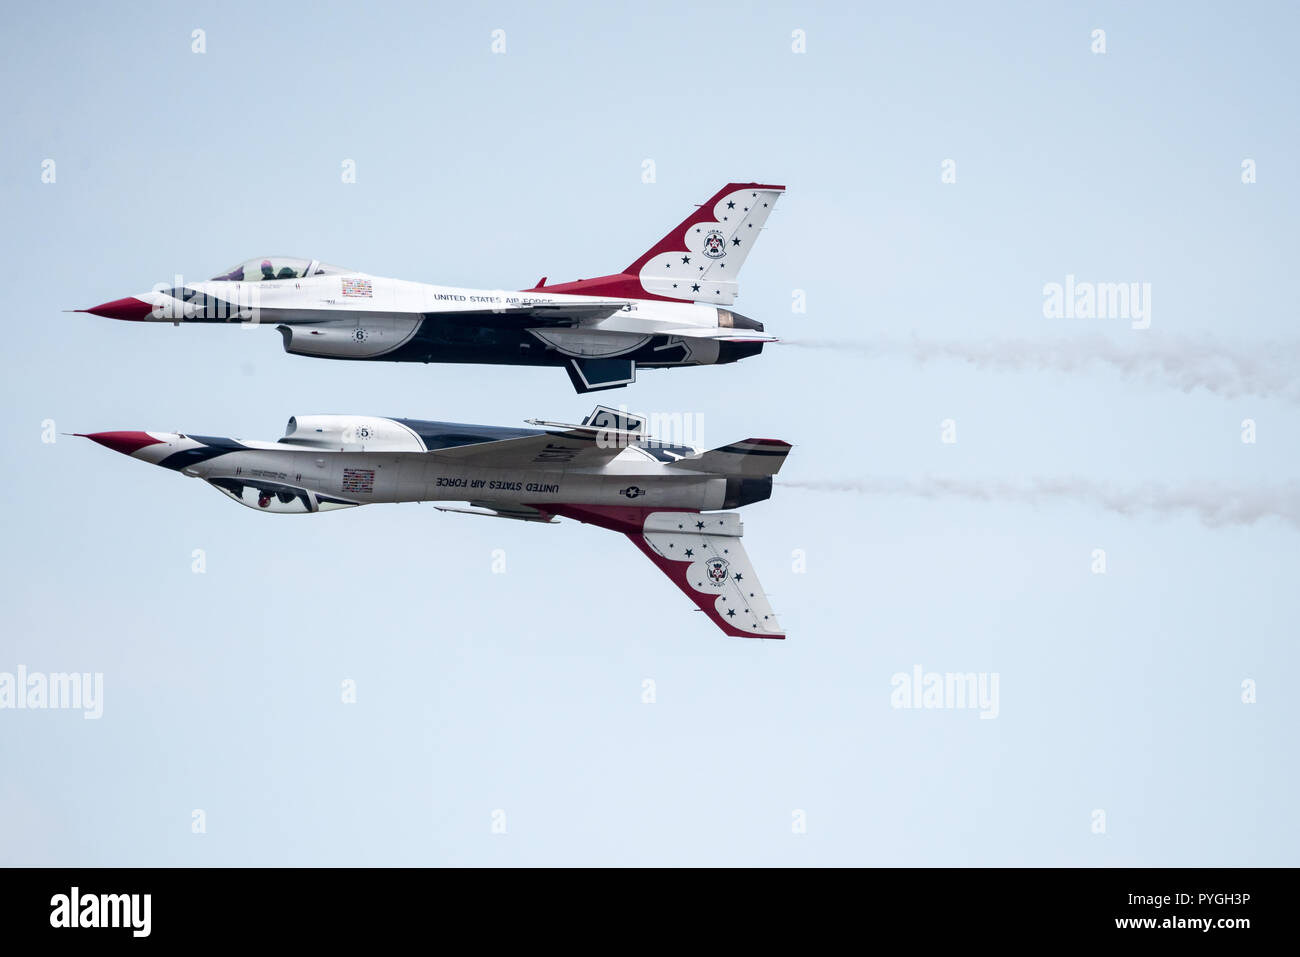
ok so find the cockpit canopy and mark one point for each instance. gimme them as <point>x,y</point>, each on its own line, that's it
<point>278,267</point>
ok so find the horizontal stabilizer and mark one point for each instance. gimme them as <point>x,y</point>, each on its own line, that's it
<point>751,457</point>
<point>720,334</point>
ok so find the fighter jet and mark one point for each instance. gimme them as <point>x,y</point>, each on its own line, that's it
<point>668,499</point>
<point>663,310</point>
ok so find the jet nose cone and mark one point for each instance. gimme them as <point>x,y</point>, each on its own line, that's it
<point>130,308</point>
<point>127,443</point>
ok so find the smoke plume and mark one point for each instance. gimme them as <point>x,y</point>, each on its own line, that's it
<point>1267,370</point>
<point>1216,504</point>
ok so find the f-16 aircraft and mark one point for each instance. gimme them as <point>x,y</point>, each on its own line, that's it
<point>663,310</point>
<point>604,471</point>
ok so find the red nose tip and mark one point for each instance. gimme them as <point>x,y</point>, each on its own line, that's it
<point>130,308</point>
<point>125,442</point>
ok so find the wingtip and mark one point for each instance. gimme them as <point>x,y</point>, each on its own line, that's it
<point>733,632</point>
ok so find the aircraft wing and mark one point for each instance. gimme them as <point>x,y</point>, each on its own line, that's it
<point>721,334</point>
<point>516,511</point>
<point>701,553</point>
<point>601,436</point>
<point>534,314</point>
<point>582,447</point>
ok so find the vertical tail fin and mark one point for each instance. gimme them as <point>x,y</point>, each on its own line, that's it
<point>701,554</point>
<point>700,258</point>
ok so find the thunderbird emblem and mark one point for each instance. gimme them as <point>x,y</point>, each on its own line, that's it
<point>717,568</point>
<point>715,244</point>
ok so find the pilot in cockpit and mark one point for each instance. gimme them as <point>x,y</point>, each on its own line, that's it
<point>286,272</point>
<point>262,270</point>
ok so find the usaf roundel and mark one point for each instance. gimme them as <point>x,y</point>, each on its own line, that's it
<point>717,569</point>
<point>715,244</point>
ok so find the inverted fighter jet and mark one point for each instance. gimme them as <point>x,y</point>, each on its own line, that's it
<point>605,472</point>
<point>664,310</point>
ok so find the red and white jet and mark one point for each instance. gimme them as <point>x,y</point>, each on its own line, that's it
<point>605,471</point>
<point>666,309</point>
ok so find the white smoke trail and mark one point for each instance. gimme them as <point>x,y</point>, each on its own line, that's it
<point>1266,370</point>
<point>1216,504</point>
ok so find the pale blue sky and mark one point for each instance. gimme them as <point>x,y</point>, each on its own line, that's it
<point>522,691</point>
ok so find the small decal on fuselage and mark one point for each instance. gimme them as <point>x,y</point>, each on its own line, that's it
<point>556,453</point>
<point>358,480</point>
<point>496,485</point>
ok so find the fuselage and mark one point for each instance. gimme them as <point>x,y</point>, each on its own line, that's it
<point>332,313</point>
<point>387,460</point>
